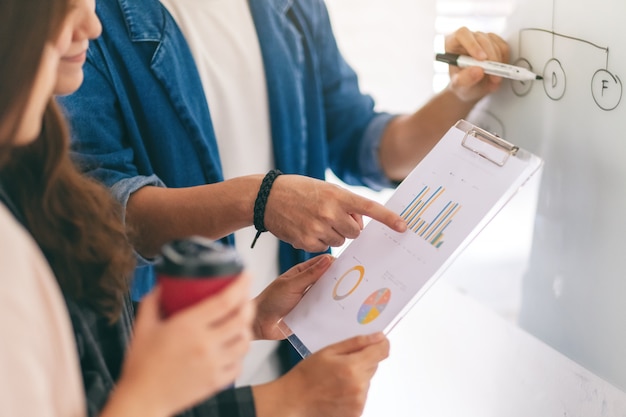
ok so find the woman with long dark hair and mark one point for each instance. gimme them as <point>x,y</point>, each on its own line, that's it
<point>61,235</point>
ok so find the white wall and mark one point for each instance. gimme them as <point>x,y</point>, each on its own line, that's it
<point>390,45</point>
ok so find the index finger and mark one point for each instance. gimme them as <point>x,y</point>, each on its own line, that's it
<point>379,213</point>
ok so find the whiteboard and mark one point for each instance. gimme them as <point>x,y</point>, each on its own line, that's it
<point>574,289</point>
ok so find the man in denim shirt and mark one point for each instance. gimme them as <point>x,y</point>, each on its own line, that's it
<point>279,96</point>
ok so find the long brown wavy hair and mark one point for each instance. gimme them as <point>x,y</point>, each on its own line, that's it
<point>75,221</point>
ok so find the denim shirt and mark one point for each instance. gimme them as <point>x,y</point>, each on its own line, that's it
<point>141,118</point>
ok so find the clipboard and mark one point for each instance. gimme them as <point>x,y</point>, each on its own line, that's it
<point>446,200</point>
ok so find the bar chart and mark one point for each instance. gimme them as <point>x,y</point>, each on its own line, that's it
<point>428,215</point>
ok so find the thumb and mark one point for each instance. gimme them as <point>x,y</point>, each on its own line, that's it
<point>355,344</point>
<point>469,77</point>
<point>309,275</point>
<point>149,312</point>
<point>302,266</point>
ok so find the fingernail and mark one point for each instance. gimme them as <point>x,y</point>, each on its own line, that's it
<point>324,260</point>
<point>401,226</point>
<point>375,337</point>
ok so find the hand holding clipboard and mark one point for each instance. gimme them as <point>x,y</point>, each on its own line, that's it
<point>446,200</point>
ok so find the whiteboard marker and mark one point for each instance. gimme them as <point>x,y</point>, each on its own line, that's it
<point>490,67</point>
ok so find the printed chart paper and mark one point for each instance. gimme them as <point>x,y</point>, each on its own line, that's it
<point>445,201</point>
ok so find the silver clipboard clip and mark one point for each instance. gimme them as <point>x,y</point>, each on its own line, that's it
<point>504,149</point>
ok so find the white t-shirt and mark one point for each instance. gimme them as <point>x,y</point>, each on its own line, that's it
<point>223,40</point>
<point>39,369</point>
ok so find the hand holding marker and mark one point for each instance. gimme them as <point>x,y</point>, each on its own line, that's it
<point>490,67</point>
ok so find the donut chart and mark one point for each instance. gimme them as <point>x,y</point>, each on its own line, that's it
<point>373,305</point>
<point>341,289</point>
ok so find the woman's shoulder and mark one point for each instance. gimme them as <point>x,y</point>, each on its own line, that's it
<point>38,349</point>
<point>27,284</point>
<point>19,254</point>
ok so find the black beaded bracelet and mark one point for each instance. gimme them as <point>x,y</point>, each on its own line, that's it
<point>261,201</point>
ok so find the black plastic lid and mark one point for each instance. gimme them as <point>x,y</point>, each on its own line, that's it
<point>198,257</point>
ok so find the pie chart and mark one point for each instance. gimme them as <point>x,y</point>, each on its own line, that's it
<point>373,305</point>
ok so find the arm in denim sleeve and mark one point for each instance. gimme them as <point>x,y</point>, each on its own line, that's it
<point>122,190</point>
<point>102,135</point>
<point>100,143</point>
<point>372,174</point>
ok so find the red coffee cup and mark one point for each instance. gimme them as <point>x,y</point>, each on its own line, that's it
<point>192,269</point>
